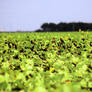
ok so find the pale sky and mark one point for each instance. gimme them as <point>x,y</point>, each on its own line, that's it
<point>30,14</point>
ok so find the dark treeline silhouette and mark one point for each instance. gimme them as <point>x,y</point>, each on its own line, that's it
<point>65,27</point>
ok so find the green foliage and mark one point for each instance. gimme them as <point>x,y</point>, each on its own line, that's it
<point>46,62</point>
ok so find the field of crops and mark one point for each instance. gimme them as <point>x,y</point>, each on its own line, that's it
<point>46,62</point>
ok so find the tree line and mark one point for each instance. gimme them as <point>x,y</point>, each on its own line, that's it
<point>65,27</point>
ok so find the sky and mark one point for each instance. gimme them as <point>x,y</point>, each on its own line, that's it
<point>29,15</point>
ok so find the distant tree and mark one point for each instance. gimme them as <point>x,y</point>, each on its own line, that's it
<point>45,26</point>
<point>63,26</point>
<point>52,27</point>
<point>38,30</point>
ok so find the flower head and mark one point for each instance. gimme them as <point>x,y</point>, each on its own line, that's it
<point>51,69</point>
